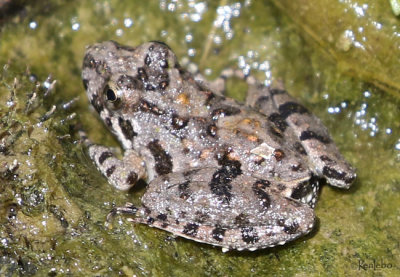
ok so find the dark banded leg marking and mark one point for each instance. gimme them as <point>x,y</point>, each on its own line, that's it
<point>249,235</point>
<point>190,229</point>
<point>221,180</point>
<point>132,178</point>
<point>162,217</point>
<point>307,191</point>
<point>104,156</point>
<point>334,174</point>
<point>184,191</point>
<point>122,174</point>
<point>289,108</point>
<point>110,170</point>
<point>259,189</point>
<point>218,233</point>
<point>308,134</point>
<point>291,229</point>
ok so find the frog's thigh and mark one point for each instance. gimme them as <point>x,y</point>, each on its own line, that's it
<point>122,174</point>
<point>233,212</point>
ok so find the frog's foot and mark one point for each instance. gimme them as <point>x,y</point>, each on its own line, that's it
<point>292,119</point>
<point>128,209</point>
<point>122,174</point>
<point>208,206</point>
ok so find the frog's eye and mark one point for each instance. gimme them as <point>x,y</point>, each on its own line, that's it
<point>113,101</point>
<point>110,94</point>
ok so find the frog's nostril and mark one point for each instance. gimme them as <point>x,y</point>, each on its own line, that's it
<point>89,61</point>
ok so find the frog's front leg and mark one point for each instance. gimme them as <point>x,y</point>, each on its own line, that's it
<point>121,174</point>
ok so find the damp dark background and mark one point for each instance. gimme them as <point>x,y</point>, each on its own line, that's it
<point>339,58</point>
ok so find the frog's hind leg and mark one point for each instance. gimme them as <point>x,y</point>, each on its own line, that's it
<point>313,138</point>
<point>219,207</point>
<point>122,174</point>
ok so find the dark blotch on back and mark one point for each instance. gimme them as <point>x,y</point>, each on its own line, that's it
<point>279,154</point>
<point>290,108</point>
<point>299,148</point>
<point>278,121</point>
<point>249,235</point>
<point>212,130</point>
<point>150,107</point>
<point>224,111</point>
<point>179,122</point>
<point>259,189</point>
<point>208,94</point>
<point>190,229</point>
<point>163,84</point>
<point>308,134</point>
<point>163,161</point>
<point>126,128</point>
<point>183,189</point>
<point>142,74</point>
<point>220,183</point>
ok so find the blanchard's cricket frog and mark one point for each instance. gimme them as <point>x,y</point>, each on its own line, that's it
<point>239,176</point>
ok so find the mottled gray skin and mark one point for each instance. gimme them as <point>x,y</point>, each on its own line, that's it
<point>219,172</point>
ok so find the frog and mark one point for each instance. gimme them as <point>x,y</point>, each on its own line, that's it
<point>240,176</point>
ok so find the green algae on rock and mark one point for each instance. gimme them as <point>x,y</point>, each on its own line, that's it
<point>361,37</point>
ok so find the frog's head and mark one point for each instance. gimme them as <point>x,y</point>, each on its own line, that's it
<point>117,77</point>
